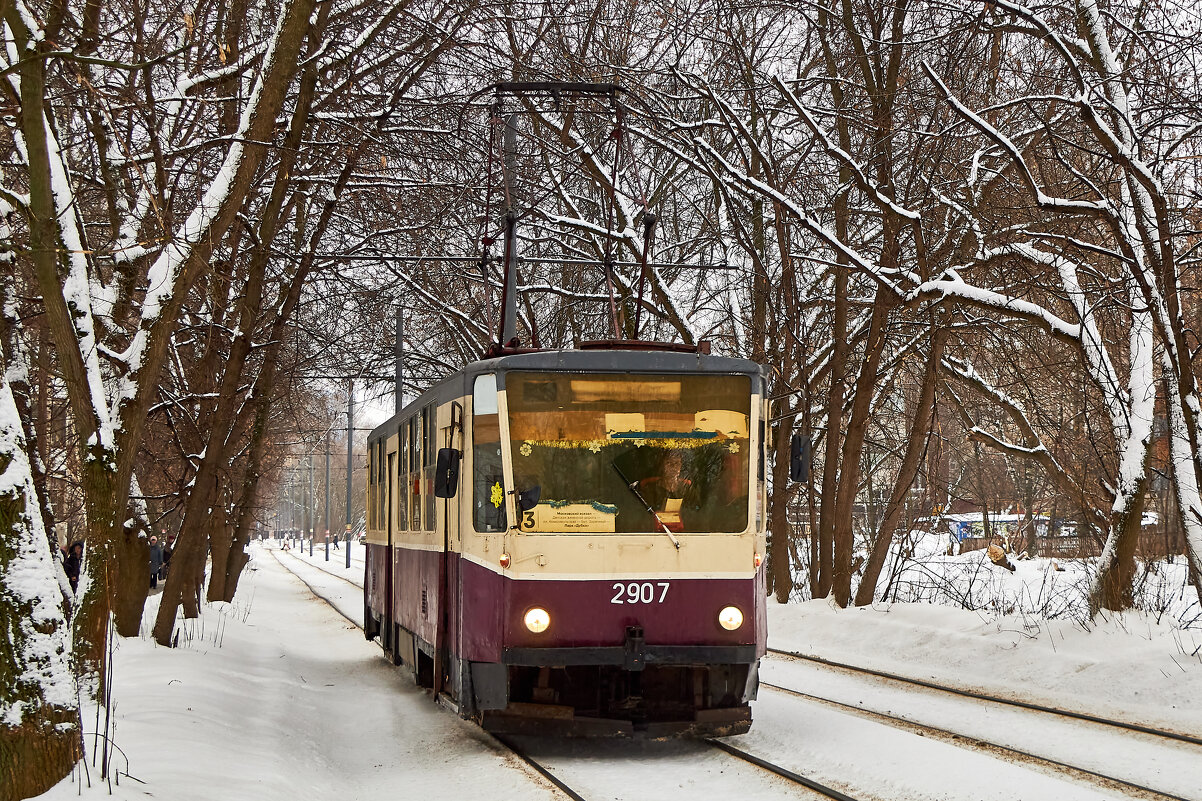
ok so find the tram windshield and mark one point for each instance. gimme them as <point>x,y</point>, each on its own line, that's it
<point>630,453</point>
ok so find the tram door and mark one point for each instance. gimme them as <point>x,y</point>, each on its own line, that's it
<point>443,422</point>
<point>389,514</point>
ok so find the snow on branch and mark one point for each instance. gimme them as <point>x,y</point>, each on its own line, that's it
<point>886,277</point>
<point>1016,157</point>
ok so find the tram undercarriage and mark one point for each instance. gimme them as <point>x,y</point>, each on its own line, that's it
<point>609,700</point>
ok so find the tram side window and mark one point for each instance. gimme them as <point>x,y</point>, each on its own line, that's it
<point>429,453</point>
<point>371,491</point>
<point>402,476</point>
<point>488,493</point>
<point>380,479</point>
<point>411,475</point>
<point>388,522</point>
<point>401,503</point>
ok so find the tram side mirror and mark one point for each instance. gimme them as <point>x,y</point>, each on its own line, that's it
<point>799,458</point>
<point>528,499</point>
<point>446,473</point>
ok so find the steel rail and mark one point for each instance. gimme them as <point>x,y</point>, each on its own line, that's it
<point>784,773</point>
<point>1050,710</point>
<point>317,567</point>
<point>314,591</point>
<point>972,739</point>
<point>542,771</point>
<point>568,791</point>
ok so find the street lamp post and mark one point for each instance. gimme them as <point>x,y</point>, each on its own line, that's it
<point>350,443</point>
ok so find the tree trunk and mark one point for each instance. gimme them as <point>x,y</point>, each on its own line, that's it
<point>220,551</point>
<point>911,461</point>
<point>38,736</point>
<point>37,754</point>
<point>778,518</point>
<point>834,425</point>
<point>853,447</point>
<point>1183,454</point>
<point>1113,587</point>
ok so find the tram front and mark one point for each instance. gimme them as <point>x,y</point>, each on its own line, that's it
<point>631,594</point>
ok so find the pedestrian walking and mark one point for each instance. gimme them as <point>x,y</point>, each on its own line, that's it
<point>156,561</point>
<point>71,564</point>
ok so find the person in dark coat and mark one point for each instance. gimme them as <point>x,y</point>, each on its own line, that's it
<point>167,550</point>
<point>71,563</point>
<point>156,561</point>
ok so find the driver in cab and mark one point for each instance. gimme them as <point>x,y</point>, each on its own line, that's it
<point>666,492</point>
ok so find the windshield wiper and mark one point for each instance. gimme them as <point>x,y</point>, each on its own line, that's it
<point>633,486</point>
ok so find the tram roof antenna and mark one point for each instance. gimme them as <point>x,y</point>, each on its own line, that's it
<point>507,338</point>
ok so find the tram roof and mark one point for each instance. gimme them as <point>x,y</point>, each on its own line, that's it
<point>602,360</point>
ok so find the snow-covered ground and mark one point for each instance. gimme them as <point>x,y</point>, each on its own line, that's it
<point>278,696</point>
<point>918,570</point>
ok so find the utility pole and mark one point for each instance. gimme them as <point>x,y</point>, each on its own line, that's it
<point>327,515</point>
<point>310,506</point>
<point>350,467</point>
<point>509,296</point>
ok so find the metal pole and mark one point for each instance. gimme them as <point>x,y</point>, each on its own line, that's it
<point>350,444</point>
<point>311,506</point>
<point>292,507</point>
<point>509,311</point>
<point>327,496</point>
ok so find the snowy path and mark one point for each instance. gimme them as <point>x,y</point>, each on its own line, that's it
<point>279,698</point>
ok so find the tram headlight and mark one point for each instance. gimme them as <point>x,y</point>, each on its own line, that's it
<point>730,618</point>
<point>537,620</point>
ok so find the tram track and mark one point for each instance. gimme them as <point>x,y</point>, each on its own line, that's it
<point>1165,734</point>
<point>974,742</point>
<point>784,773</point>
<point>319,595</point>
<point>775,770</point>
<point>1102,780</point>
<point>544,771</point>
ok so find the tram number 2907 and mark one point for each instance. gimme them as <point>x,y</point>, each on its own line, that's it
<point>639,592</point>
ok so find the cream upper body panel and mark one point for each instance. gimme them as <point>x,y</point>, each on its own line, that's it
<point>586,548</point>
<point>551,556</point>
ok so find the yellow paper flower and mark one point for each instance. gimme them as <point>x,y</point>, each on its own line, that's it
<point>497,495</point>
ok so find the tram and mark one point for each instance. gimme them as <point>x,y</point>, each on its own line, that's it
<point>571,541</point>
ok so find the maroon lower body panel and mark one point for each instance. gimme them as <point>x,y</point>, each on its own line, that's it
<point>591,613</point>
<point>625,655</point>
<point>417,594</point>
<point>485,610</point>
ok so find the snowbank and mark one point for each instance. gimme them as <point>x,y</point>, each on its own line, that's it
<point>1127,666</point>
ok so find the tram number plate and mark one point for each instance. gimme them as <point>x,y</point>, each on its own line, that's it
<point>639,592</point>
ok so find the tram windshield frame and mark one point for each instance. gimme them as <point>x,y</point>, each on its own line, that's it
<point>631,453</point>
